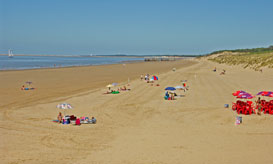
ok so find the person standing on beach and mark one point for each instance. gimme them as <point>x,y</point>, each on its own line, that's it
<point>60,117</point>
<point>141,77</point>
<point>259,105</point>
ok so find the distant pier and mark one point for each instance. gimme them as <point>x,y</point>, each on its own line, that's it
<point>161,58</point>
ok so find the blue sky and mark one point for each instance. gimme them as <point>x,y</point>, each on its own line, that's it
<point>82,27</point>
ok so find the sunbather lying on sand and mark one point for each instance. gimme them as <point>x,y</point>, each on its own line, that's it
<point>223,72</point>
<point>107,92</point>
<point>124,88</point>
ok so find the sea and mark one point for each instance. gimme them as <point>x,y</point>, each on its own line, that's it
<point>37,62</point>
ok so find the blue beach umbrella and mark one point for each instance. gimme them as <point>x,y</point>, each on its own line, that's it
<point>170,88</point>
<point>115,84</point>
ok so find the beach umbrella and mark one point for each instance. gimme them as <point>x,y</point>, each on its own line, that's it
<point>154,78</point>
<point>237,93</point>
<point>64,106</point>
<point>109,86</point>
<point>115,84</point>
<point>264,93</point>
<point>28,82</point>
<point>170,88</point>
<point>270,94</point>
<point>245,96</point>
<point>179,87</point>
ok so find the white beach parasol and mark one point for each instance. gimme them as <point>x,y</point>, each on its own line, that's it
<point>64,106</point>
<point>109,86</point>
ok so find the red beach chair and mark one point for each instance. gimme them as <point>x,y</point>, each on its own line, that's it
<point>241,110</point>
<point>271,109</point>
<point>248,110</point>
<point>234,106</point>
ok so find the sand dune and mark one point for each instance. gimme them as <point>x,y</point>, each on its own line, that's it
<point>139,126</point>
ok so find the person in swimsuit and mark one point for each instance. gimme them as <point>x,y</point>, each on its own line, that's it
<point>259,106</point>
<point>60,117</point>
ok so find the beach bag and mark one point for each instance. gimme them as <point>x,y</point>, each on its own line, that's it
<point>226,106</point>
<point>78,121</point>
<point>239,120</point>
<point>72,117</point>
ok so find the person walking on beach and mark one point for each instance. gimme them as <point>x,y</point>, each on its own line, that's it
<point>141,77</point>
<point>259,105</point>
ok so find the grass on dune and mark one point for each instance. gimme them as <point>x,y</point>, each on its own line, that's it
<point>248,58</point>
<point>254,61</point>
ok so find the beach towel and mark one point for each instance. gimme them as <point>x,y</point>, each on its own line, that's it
<point>115,92</point>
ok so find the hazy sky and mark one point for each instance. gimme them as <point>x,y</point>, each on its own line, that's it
<point>82,27</point>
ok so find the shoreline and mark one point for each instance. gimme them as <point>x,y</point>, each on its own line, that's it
<point>80,66</point>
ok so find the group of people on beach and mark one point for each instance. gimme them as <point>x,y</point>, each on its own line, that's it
<point>62,119</point>
<point>169,95</point>
<point>222,73</point>
<point>124,88</point>
<point>146,77</point>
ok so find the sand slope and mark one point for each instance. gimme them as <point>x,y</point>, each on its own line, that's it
<point>139,126</point>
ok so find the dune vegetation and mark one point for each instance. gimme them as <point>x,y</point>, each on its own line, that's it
<point>255,58</point>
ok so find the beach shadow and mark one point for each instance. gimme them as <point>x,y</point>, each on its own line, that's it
<point>180,95</point>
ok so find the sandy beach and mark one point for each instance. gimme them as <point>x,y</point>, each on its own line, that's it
<point>137,126</point>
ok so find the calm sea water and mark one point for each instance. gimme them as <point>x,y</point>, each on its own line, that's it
<point>35,62</point>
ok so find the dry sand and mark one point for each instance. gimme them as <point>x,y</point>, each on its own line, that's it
<point>137,126</point>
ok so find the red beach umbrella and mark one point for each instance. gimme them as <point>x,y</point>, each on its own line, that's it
<point>154,77</point>
<point>269,94</point>
<point>245,96</point>
<point>263,93</point>
<point>237,93</point>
